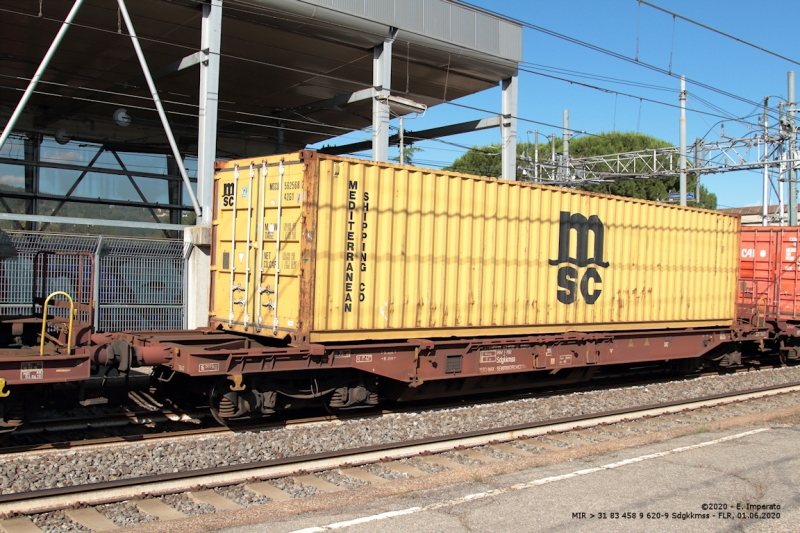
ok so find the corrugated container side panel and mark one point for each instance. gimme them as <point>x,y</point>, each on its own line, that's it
<point>555,313</point>
<point>491,208</point>
<point>412,290</point>
<point>716,277</point>
<point>426,274</point>
<point>523,257</point>
<point>515,255</point>
<point>668,242</point>
<point>681,258</point>
<point>499,302</point>
<point>549,249</point>
<point>399,237</point>
<point>734,259</point>
<point>691,262</point>
<point>697,281</point>
<point>449,245</point>
<point>623,278</point>
<point>705,269</point>
<point>684,242</point>
<point>389,253</point>
<point>399,283</point>
<point>450,251</point>
<point>702,237</point>
<point>644,259</point>
<point>731,263</point>
<point>595,312</point>
<point>713,277</point>
<point>324,239</point>
<point>463,264</point>
<point>369,210</point>
<point>720,273</point>
<point>477,231</point>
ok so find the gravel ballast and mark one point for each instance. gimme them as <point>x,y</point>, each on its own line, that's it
<point>242,496</point>
<point>124,514</point>
<point>44,470</point>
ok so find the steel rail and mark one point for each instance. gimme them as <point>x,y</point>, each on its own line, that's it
<point>169,416</point>
<point>129,488</point>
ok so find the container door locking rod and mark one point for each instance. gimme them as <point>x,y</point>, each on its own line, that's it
<point>233,240</point>
<point>278,249</point>
<point>260,252</point>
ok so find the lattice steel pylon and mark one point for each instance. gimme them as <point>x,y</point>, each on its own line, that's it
<point>703,158</point>
<point>727,155</point>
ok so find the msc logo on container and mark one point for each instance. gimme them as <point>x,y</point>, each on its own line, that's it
<point>567,274</point>
<point>227,194</point>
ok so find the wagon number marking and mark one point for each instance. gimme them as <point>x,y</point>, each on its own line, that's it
<point>31,371</point>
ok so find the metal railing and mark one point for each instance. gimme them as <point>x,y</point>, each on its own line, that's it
<point>138,283</point>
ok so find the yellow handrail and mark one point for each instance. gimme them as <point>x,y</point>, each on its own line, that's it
<point>44,320</point>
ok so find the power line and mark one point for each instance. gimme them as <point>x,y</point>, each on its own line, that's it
<point>729,36</point>
<point>589,75</point>
<point>612,91</point>
<point>608,52</point>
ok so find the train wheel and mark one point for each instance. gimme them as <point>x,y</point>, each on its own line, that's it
<point>685,367</point>
<point>221,402</point>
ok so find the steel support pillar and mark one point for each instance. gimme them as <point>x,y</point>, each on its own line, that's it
<point>682,156</point>
<point>382,83</point>
<point>508,129</point>
<point>12,121</point>
<point>198,276</point>
<point>33,150</point>
<point>792,174</point>
<point>198,264</point>
<point>175,192</point>
<point>211,40</point>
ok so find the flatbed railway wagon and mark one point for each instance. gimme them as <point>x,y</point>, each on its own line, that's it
<point>347,281</point>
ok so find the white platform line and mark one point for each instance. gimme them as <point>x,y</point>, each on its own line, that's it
<point>522,486</point>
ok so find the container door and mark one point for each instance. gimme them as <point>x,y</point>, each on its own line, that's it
<point>277,280</point>
<point>789,261</point>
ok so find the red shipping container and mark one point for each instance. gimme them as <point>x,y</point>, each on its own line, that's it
<point>769,288</point>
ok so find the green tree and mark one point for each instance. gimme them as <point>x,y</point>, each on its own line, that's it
<point>408,155</point>
<point>486,161</point>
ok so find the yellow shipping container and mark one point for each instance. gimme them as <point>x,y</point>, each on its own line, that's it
<point>368,250</point>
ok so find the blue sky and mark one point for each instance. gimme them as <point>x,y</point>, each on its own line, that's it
<point>697,53</point>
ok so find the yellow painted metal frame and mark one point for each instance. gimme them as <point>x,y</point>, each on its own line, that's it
<point>71,317</point>
<point>3,393</point>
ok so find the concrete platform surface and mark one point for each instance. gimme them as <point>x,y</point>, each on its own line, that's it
<point>707,481</point>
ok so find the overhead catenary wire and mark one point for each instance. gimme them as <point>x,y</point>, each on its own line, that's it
<point>613,91</point>
<point>608,52</point>
<point>728,35</point>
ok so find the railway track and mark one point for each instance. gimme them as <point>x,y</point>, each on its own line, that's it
<point>279,479</point>
<point>164,423</point>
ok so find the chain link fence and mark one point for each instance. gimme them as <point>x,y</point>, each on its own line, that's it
<point>138,283</point>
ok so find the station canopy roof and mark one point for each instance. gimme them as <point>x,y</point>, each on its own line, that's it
<point>282,61</point>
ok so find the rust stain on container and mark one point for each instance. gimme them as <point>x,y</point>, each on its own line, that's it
<point>378,251</point>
